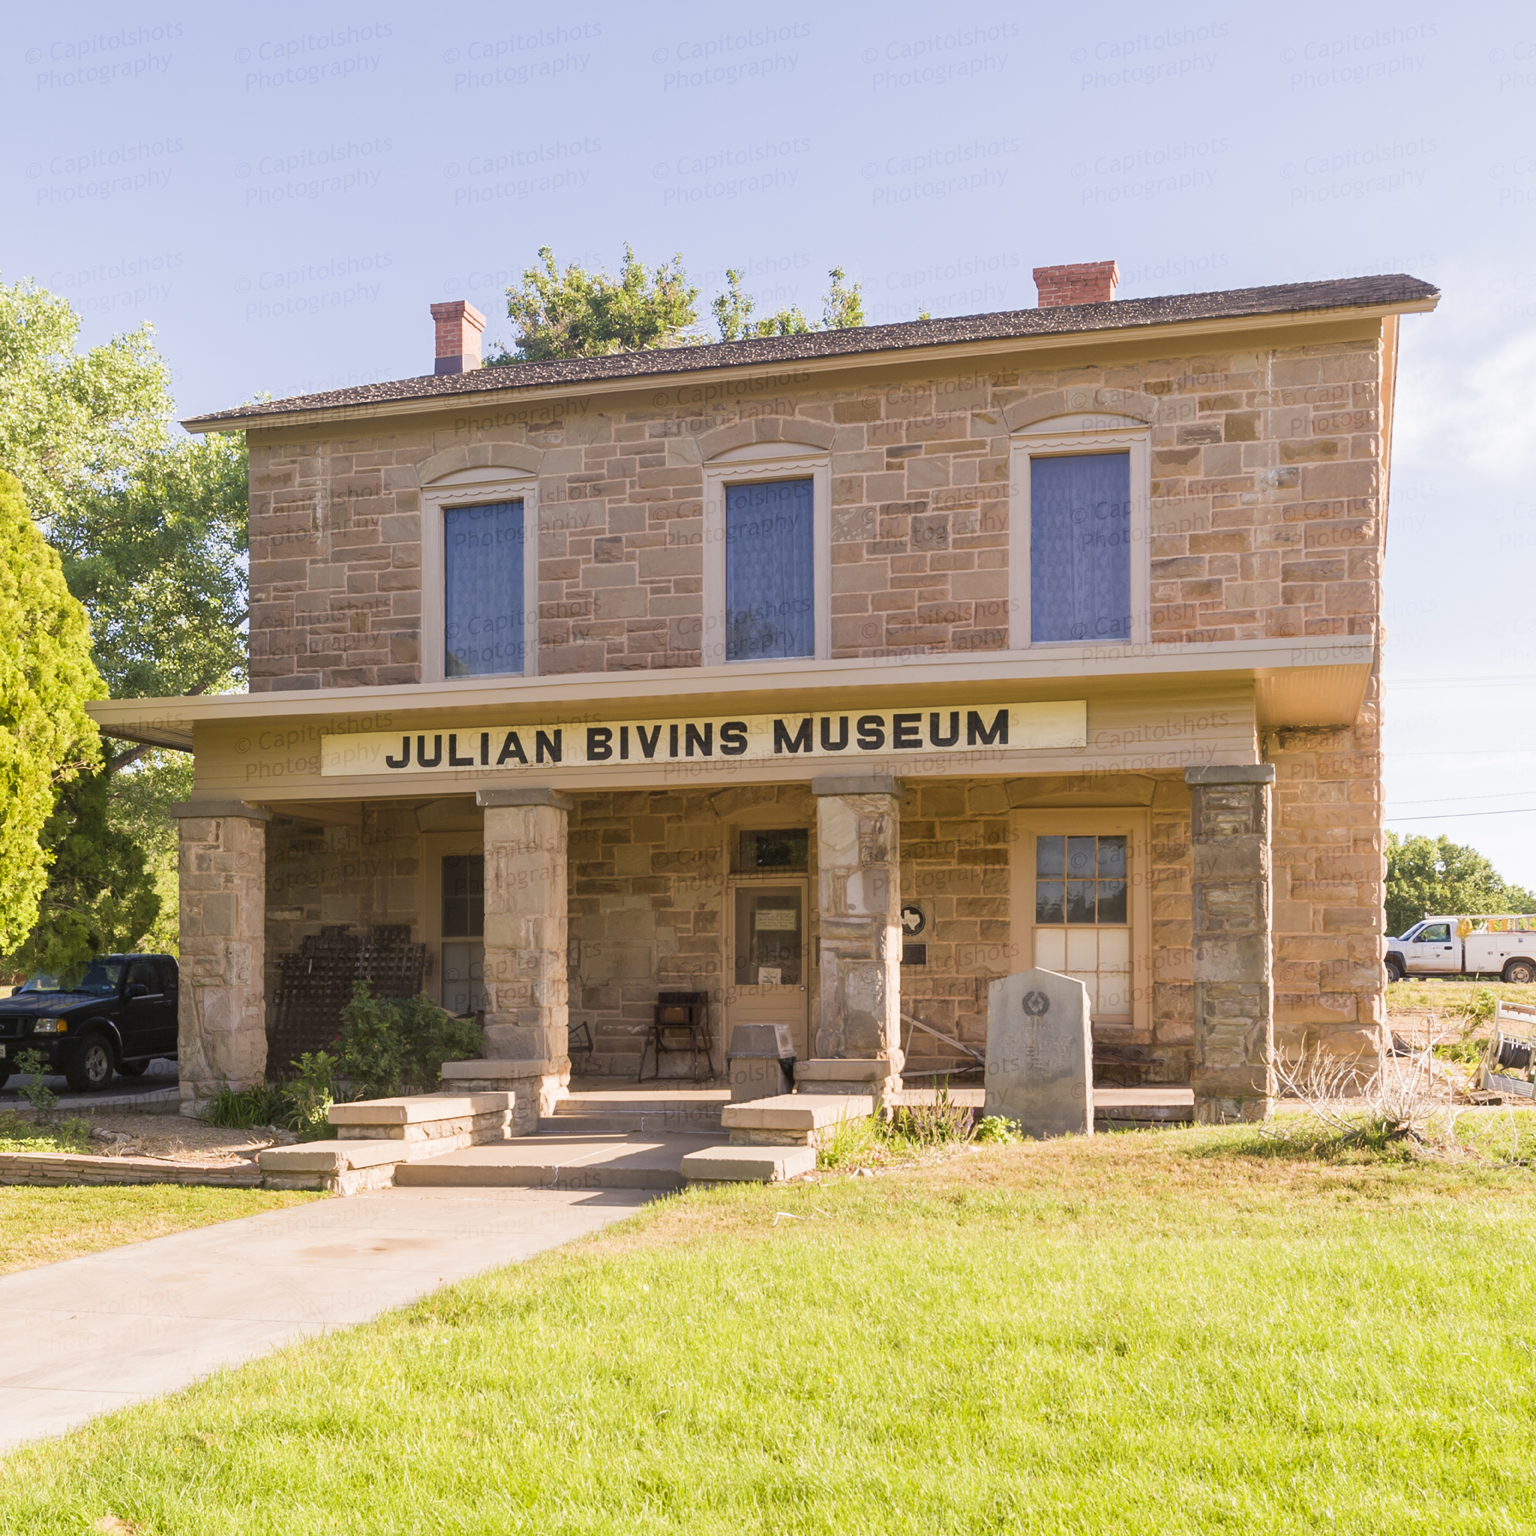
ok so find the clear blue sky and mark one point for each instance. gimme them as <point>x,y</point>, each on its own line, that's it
<point>283,190</point>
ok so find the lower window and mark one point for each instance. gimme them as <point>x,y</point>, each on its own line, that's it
<point>463,932</point>
<point>1082,916</point>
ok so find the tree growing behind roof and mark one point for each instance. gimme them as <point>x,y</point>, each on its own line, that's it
<point>46,676</point>
<point>571,312</point>
<point>1428,876</point>
<point>842,308</point>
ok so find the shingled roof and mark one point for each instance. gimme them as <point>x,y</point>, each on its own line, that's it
<point>1384,292</point>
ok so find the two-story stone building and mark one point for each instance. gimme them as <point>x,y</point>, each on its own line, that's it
<point>830,675</point>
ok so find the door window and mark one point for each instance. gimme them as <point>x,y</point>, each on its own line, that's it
<point>142,973</point>
<point>1082,917</point>
<point>769,947</point>
<point>1436,933</point>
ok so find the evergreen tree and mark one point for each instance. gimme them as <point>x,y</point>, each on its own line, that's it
<point>46,675</point>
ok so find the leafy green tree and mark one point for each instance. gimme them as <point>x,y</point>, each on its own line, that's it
<point>72,422</point>
<point>576,313</point>
<point>151,529</point>
<point>841,309</point>
<point>100,895</point>
<point>1429,875</point>
<point>46,676</point>
<point>157,555</point>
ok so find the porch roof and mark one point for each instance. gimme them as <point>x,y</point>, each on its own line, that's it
<point>1299,682</point>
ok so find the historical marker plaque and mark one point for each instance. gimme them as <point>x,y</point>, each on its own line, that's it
<point>1040,1054</point>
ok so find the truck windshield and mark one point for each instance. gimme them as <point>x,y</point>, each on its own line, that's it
<point>100,980</point>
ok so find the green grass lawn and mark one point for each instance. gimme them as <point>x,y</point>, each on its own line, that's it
<point>41,1226</point>
<point>1162,1332</point>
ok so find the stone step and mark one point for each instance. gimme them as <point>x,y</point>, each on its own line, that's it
<point>558,1162</point>
<point>650,1122</point>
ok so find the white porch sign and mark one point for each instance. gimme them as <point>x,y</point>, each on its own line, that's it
<point>980,731</point>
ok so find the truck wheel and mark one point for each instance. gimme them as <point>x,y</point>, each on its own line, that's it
<point>89,1067</point>
<point>1394,969</point>
<point>5,1073</point>
<point>1522,972</point>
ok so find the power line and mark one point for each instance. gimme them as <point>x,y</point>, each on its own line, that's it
<point>1514,810</point>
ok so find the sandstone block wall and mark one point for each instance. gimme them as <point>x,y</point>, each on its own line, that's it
<point>1329,887</point>
<point>1266,517</point>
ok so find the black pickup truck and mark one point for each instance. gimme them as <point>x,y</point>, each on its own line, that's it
<point>118,1016</point>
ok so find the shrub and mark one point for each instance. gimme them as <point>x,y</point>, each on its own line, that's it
<point>390,1044</point>
<point>37,1093</point>
<point>996,1130</point>
<point>238,1109</point>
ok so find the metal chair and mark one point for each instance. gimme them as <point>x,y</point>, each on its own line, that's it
<point>680,1024</point>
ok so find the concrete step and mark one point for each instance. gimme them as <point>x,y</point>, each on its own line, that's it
<point>649,1122</point>
<point>580,1162</point>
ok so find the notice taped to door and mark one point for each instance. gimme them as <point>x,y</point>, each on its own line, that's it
<point>843,737</point>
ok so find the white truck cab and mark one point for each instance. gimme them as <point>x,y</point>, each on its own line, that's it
<point>1502,945</point>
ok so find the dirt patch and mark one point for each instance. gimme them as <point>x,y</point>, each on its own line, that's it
<point>176,1138</point>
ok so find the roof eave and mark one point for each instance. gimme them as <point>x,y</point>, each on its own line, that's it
<point>883,358</point>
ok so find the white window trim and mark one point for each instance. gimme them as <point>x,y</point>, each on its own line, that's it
<point>1134,824</point>
<point>749,465</point>
<point>1064,435</point>
<point>472,488</point>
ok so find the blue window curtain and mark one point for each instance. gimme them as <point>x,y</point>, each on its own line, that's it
<point>1080,547</point>
<point>770,549</point>
<point>483,589</point>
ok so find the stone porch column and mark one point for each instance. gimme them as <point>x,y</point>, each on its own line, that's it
<point>1234,1073</point>
<point>526,998</point>
<point>858,856</point>
<point>222,1012</point>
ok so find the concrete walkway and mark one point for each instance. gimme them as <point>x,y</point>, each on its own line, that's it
<point>96,1333</point>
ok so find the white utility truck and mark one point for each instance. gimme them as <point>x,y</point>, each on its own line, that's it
<point>1502,945</point>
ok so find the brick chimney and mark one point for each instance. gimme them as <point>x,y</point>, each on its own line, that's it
<point>458,336</point>
<point>1088,282</point>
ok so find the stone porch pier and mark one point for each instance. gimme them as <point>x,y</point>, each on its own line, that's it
<point>221,1023</point>
<point>1233,1075</point>
<point>858,852</point>
<point>526,998</point>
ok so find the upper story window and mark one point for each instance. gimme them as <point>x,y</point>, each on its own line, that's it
<point>1079,563</point>
<point>767,554</point>
<point>480,570</point>
<point>483,610</point>
<point>770,576</point>
<point>1080,548</point>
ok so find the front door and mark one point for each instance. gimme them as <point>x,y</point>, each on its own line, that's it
<point>768,979</point>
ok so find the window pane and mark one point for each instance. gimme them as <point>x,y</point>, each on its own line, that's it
<point>1079,901</point>
<point>1048,901</point>
<point>1080,857</point>
<point>769,580</point>
<point>1080,547</point>
<point>1050,856</point>
<point>1112,857</point>
<point>787,848</point>
<point>483,589</point>
<point>1112,901</point>
<point>463,896</point>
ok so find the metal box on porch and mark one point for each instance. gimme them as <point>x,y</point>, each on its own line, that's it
<point>761,1061</point>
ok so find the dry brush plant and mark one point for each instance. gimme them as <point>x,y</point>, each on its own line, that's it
<point>1404,1105</point>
